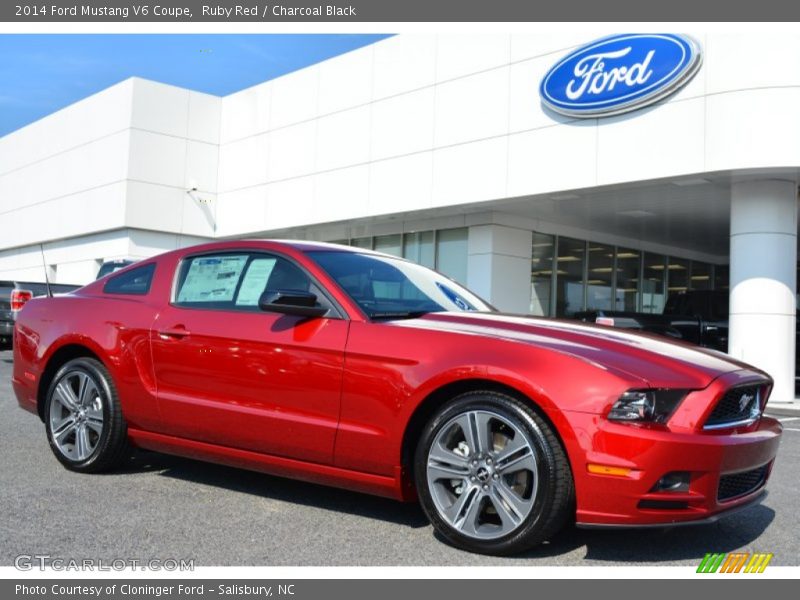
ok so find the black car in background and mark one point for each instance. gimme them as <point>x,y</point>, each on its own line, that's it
<point>696,316</point>
<point>14,295</point>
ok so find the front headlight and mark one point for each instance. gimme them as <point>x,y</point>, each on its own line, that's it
<point>646,406</point>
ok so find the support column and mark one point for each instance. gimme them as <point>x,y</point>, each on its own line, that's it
<point>762,279</point>
<point>499,266</point>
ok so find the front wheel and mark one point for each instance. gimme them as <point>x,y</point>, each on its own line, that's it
<point>491,474</point>
<point>83,417</point>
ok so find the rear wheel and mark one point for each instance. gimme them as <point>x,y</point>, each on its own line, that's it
<point>83,418</point>
<point>491,474</point>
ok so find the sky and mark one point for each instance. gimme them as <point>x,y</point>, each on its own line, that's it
<point>40,74</point>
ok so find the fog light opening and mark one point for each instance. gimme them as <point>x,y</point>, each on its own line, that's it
<point>673,482</point>
<point>663,505</point>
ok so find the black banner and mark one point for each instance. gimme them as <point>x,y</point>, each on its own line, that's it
<point>183,11</point>
<point>332,589</point>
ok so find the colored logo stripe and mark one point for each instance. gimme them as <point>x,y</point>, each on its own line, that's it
<point>710,563</point>
<point>735,562</point>
<point>758,563</point>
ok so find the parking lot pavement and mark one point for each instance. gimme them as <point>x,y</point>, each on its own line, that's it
<point>166,507</point>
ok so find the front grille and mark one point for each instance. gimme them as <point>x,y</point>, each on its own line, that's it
<point>739,484</point>
<point>739,406</point>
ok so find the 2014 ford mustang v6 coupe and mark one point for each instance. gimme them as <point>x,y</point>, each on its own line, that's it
<point>347,367</point>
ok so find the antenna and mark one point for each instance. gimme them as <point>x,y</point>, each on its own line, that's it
<point>46,278</point>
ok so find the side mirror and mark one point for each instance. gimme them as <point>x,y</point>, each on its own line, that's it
<point>291,302</point>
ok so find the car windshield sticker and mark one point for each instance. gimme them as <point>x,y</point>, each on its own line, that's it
<point>456,299</point>
<point>254,282</point>
<point>212,279</point>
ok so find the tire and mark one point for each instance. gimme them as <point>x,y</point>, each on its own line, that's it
<point>83,418</point>
<point>510,491</point>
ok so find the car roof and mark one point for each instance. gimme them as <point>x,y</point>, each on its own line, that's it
<point>297,245</point>
<point>309,245</point>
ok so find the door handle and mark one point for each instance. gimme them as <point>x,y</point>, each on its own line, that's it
<point>177,332</point>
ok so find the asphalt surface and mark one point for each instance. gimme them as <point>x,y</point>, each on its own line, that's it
<point>172,508</point>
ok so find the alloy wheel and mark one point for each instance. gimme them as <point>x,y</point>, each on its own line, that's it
<point>76,415</point>
<point>482,474</point>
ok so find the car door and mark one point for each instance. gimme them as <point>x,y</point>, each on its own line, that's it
<point>231,374</point>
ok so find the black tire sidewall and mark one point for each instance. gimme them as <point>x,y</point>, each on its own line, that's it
<point>100,377</point>
<point>531,424</point>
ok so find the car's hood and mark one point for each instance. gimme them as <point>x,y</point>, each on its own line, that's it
<point>658,361</point>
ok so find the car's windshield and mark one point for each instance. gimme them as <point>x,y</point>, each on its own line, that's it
<point>386,287</point>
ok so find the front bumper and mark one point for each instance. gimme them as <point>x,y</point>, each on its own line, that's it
<point>758,498</point>
<point>612,499</point>
<point>648,454</point>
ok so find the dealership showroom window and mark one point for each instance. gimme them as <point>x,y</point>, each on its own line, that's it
<point>467,154</point>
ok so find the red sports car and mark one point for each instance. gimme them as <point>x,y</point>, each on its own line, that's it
<point>351,368</point>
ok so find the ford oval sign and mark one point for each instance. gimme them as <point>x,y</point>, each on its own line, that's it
<point>620,73</point>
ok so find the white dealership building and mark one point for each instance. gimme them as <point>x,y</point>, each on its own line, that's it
<point>439,148</point>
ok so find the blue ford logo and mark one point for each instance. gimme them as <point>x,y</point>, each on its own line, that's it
<point>620,73</point>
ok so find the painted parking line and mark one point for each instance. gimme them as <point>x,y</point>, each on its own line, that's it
<point>783,419</point>
<point>790,429</point>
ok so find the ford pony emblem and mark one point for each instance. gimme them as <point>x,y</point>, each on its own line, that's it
<point>620,73</point>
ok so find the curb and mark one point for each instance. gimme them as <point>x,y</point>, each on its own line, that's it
<point>783,409</point>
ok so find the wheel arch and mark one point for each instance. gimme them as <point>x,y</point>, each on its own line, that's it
<point>425,409</point>
<point>59,357</point>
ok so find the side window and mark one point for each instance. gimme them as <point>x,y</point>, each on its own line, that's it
<point>135,282</point>
<point>236,281</point>
<point>210,281</point>
<point>255,280</point>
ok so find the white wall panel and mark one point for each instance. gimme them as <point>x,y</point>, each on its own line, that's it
<point>756,60</point>
<point>244,163</point>
<point>340,194</point>
<point>94,164</point>
<point>555,44</point>
<point>553,158</point>
<point>401,184</point>
<point>289,203</point>
<point>658,141</point>
<point>97,209</point>
<point>295,97</point>
<point>463,54</point>
<point>343,139</point>
<point>160,108</point>
<point>157,158</point>
<point>402,124</point>
<point>346,81</point>
<point>292,151</point>
<point>757,128</point>
<point>245,113</point>
<point>242,211</point>
<point>95,117</point>
<point>403,63</point>
<point>525,107</point>
<point>469,172</point>
<point>202,161</point>
<point>143,244</point>
<point>171,209</point>
<point>149,206</point>
<point>204,117</point>
<point>465,112</point>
